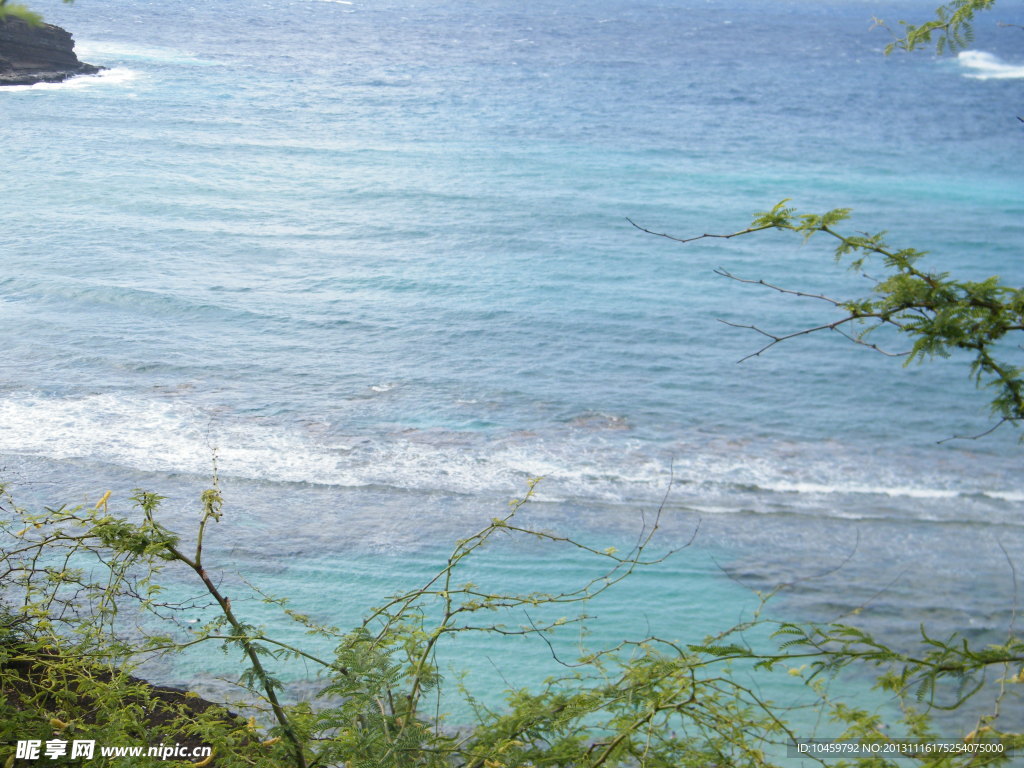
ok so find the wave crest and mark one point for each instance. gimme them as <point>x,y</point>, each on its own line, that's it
<point>112,76</point>
<point>579,463</point>
<point>987,66</point>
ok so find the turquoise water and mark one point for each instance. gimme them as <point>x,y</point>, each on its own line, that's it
<point>376,257</point>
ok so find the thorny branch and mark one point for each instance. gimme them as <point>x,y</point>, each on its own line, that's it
<point>939,314</point>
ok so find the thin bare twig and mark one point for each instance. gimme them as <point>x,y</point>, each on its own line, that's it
<point>833,326</point>
<point>726,273</point>
<point>777,339</point>
<point>978,436</point>
<point>1016,589</point>
<point>698,237</point>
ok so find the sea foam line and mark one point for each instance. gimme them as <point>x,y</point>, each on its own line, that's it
<point>857,488</point>
<point>987,66</point>
<point>163,434</point>
<point>112,76</point>
<point>168,435</point>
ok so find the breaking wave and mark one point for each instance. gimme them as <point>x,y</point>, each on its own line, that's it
<point>987,66</point>
<point>112,76</point>
<point>581,462</point>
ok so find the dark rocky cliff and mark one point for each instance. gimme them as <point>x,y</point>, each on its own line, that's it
<point>42,54</point>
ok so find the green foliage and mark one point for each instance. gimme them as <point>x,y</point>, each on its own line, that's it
<point>936,313</point>
<point>80,582</point>
<point>951,29</point>
<point>22,12</point>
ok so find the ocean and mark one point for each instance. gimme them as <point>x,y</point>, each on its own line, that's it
<point>372,259</point>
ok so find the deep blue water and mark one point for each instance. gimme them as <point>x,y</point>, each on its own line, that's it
<point>376,256</point>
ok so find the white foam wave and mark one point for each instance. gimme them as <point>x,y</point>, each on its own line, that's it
<point>856,488</point>
<point>1012,496</point>
<point>167,434</point>
<point>112,76</point>
<point>987,66</point>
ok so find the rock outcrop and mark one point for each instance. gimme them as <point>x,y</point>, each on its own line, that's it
<point>37,54</point>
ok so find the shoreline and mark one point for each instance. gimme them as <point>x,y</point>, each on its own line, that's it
<point>38,54</point>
